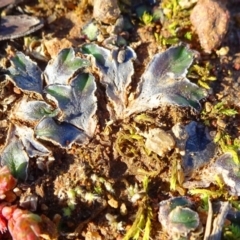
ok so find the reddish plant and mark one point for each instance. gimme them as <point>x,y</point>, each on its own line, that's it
<point>3,220</point>
<point>22,224</point>
<point>7,181</point>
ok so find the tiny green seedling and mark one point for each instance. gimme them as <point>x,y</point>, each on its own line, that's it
<point>67,212</point>
<point>91,197</point>
<point>231,232</point>
<point>177,176</point>
<point>203,74</point>
<point>176,25</point>
<point>228,145</point>
<point>165,41</point>
<point>221,109</point>
<point>218,115</point>
<point>142,222</point>
<point>146,18</point>
<point>211,193</point>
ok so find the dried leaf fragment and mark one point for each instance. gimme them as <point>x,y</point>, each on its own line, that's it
<point>15,26</point>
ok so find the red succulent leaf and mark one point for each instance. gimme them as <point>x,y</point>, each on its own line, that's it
<point>8,211</point>
<point>3,220</point>
<point>18,213</point>
<point>24,225</point>
<point>3,224</point>
<point>10,196</point>
<point>10,225</point>
<point>7,181</point>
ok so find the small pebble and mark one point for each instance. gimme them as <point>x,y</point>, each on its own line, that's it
<point>93,235</point>
<point>57,218</point>
<point>44,207</point>
<point>113,203</point>
<point>17,191</point>
<point>223,51</point>
<point>123,209</point>
<point>210,19</point>
<point>106,11</point>
<point>159,141</point>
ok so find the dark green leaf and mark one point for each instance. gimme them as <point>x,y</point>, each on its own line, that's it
<point>91,31</point>
<point>63,134</point>
<point>116,70</point>
<point>25,74</point>
<point>77,101</point>
<point>183,219</point>
<point>62,68</point>
<point>164,82</point>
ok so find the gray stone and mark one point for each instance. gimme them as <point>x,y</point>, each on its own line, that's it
<point>106,11</point>
<point>159,141</point>
<point>210,19</point>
